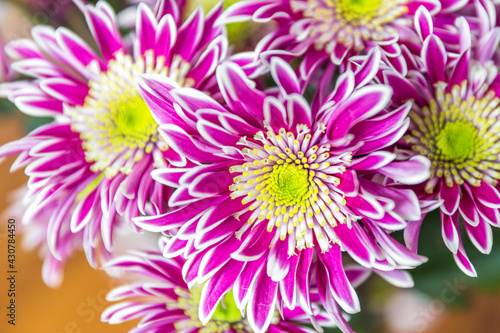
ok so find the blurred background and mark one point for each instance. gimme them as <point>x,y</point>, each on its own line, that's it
<point>443,300</point>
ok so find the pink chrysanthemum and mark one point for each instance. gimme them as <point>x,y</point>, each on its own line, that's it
<point>318,30</point>
<point>455,124</point>
<point>281,188</point>
<point>93,163</point>
<point>165,303</point>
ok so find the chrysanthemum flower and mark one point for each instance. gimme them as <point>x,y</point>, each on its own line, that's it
<point>93,162</point>
<point>455,124</point>
<point>318,30</point>
<point>164,303</point>
<point>280,187</point>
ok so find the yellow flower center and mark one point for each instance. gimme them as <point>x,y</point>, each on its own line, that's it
<point>227,311</point>
<point>130,123</point>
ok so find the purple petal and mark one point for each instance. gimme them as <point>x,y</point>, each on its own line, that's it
<point>239,93</point>
<point>373,161</point>
<point>481,236</point>
<point>245,282</point>
<point>366,72</point>
<point>166,36</point>
<point>191,31</point>
<point>146,29</point>
<point>468,209</point>
<point>487,195</point>
<point>413,171</point>
<point>398,278</point>
<point>362,104</point>
<point>464,263</point>
<point>186,145</point>
<point>284,76</point>
<point>460,71</point>
<point>340,286</point>
<point>216,135</point>
<point>423,23</point>
<point>274,114</point>
<point>260,309</point>
<point>176,218</point>
<point>104,30</point>
<point>216,288</point>
<point>450,231</point>
<point>450,197</point>
<point>434,57</point>
<point>353,244</point>
<point>288,286</point>
<point>298,111</point>
<point>255,245</point>
<point>278,262</point>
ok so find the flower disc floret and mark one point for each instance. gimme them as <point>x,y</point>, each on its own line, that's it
<point>457,141</point>
<point>289,184</point>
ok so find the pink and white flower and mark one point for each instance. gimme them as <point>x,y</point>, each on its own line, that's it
<point>283,188</point>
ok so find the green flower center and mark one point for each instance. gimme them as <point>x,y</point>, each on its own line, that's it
<point>227,311</point>
<point>289,184</point>
<point>358,9</point>
<point>226,318</point>
<point>457,141</point>
<point>133,122</point>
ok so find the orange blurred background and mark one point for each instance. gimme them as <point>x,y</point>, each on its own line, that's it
<point>73,308</point>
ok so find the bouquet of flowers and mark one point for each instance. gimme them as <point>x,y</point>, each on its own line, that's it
<point>278,152</point>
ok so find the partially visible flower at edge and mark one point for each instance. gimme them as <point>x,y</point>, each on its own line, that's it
<point>454,123</point>
<point>334,30</point>
<point>92,165</point>
<point>165,303</point>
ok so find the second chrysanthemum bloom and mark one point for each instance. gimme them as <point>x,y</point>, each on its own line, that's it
<point>92,164</point>
<point>455,124</point>
<point>318,31</point>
